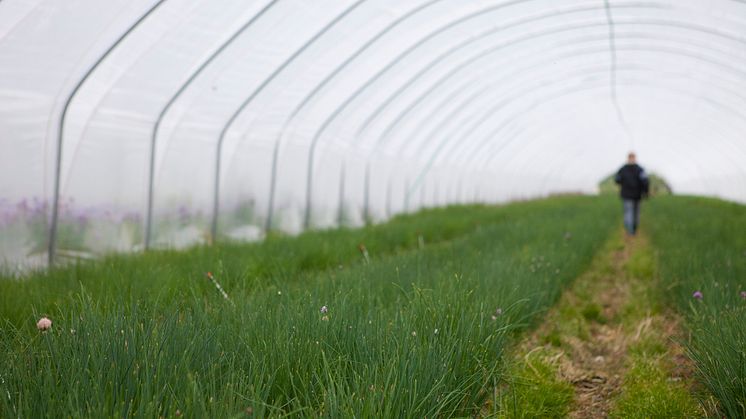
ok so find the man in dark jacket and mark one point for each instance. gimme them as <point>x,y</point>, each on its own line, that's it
<point>634,183</point>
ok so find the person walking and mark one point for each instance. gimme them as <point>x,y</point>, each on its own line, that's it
<point>634,186</point>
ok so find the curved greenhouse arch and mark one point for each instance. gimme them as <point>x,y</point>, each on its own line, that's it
<point>207,120</point>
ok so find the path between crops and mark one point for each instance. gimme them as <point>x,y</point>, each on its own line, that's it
<point>595,366</point>
<point>587,336</point>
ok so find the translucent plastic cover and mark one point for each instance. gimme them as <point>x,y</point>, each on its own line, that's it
<point>128,124</point>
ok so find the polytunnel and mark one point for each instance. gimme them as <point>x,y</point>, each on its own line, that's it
<point>135,124</point>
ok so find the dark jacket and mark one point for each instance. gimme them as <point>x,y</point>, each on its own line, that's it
<point>634,181</point>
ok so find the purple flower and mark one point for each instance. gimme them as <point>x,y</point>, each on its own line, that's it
<point>324,309</point>
<point>698,295</point>
<point>743,294</point>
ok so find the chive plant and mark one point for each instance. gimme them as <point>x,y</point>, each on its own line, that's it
<point>417,332</point>
<point>702,253</point>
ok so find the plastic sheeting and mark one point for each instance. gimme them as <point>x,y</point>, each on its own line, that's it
<point>165,123</point>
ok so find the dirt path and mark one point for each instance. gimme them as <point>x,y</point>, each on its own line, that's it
<point>593,360</point>
<point>610,311</point>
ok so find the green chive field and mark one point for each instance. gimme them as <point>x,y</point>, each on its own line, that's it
<point>423,316</point>
<point>702,251</point>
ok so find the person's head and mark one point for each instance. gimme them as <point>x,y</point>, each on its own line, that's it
<point>631,158</point>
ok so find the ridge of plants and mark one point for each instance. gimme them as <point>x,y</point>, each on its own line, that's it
<point>170,273</point>
<point>413,334</point>
<point>702,260</point>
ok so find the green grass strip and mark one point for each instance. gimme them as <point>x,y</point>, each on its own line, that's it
<point>534,389</point>
<point>649,393</point>
<point>651,388</point>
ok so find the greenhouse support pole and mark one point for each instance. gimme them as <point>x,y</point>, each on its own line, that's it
<point>172,100</point>
<point>309,188</point>
<point>52,247</point>
<point>422,194</point>
<point>406,195</point>
<point>368,83</point>
<point>440,58</point>
<point>340,209</point>
<point>264,85</point>
<point>411,107</point>
<point>449,191</point>
<point>276,72</point>
<point>388,101</point>
<point>459,190</point>
<point>216,194</point>
<point>366,196</point>
<point>272,188</point>
<point>388,199</point>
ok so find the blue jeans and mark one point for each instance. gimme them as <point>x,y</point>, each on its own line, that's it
<point>631,214</point>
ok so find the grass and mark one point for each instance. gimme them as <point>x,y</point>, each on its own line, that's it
<point>702,247</point>
<point>650,388</point>
<point>535,391</point>
<point>414,333</point>
<point>649,393</point>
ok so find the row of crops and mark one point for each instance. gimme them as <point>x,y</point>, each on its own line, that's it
<point>412,318</point>
<point>418,331</point>
<point>702,258</point>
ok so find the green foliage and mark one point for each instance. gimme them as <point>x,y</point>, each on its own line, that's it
<point>554,338</point>
<point>640,265</point>
<point>592,313</point>
<point>535,390</point>
<point>170,274</point>
<point>702,246</point>
<point>648,394</point>
<point>414,333</point>
<point>647,390</point>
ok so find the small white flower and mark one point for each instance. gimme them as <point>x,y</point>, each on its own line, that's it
<point>414,333</point>
<point>324,309</point>
<point>279,292</point>
<point>436,331</point>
